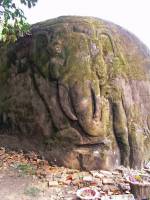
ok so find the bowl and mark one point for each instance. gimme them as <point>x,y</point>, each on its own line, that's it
<point>87,193</point>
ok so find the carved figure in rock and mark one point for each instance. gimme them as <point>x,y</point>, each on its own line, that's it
<point>78,90</point>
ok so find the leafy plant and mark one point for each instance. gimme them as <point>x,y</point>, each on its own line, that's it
<point>12,19</point>
<point>26,169</point>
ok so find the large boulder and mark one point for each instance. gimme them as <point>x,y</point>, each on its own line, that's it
<point>78,90</point>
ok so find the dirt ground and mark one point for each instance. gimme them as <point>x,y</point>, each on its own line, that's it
<point>26,176</point>
<point>16,186</point>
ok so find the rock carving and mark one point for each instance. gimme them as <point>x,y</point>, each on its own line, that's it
<point>83,85</point>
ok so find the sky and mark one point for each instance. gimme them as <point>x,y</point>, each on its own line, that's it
<point>133,15</point>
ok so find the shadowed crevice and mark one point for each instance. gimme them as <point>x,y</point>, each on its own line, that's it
<point>94,103</point>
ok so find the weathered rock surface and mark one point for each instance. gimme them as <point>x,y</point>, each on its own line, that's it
<point>78,90</point>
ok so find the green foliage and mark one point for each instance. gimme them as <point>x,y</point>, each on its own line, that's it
<point>32,191</point>
<point>26,169</point>
<point>13,22</point>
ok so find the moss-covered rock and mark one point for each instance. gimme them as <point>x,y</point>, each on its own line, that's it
<point>82,85</point>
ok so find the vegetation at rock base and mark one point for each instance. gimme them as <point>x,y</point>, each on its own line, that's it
<point>32,191</point>
<point>13,23</point>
